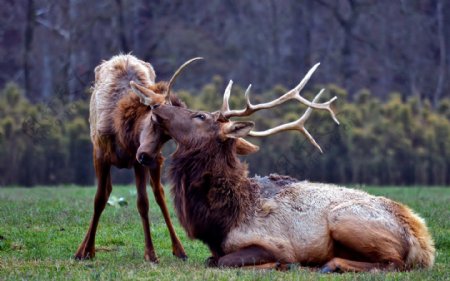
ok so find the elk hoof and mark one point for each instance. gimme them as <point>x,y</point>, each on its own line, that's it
<point>328,269</point>
<point>83,254</point>
<point>151,258</point>
<point>325,269</point>
<point>181,256</point>
<point>211,262</point>
<point>286,266</point>
<point>178,251</point>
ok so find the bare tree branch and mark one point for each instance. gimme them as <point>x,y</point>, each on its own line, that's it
<point>56,29</point>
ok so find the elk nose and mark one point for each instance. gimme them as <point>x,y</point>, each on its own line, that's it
<point>145,159</point>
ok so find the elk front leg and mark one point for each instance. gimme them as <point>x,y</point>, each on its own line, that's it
<point>158,191</point>
<point>252,256</point>
<point>143,207</point>
<point>86,249</point>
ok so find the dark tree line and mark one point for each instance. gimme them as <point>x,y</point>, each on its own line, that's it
<point>389,59</point>
<point>392,142</point>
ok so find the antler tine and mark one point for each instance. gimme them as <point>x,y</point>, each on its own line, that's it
<point>226,97</point>
<point>247,96</point>
<point>292,94</point>
<point>225,110</point>
<point>298,125</point>
<point>175,75</point>
<point>296,94</point>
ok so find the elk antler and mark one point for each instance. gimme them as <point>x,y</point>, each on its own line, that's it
<point>175,75</point>
<point>298,125</point>
<point>292,94</point>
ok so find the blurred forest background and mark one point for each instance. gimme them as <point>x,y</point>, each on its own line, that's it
<point>387,61</point>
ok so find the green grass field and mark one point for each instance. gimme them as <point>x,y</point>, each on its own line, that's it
<point>40,230</point>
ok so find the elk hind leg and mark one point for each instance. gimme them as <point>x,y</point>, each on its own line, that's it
<point>363,244</point>
<point>158,191</point>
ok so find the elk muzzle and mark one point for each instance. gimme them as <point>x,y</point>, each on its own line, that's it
<point>147,160</point>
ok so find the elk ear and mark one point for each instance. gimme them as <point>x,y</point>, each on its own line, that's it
<point>244,147</point>
<point>147,96</point>
<point>237,129</point>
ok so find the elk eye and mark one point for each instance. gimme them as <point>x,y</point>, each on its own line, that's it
<point>200,116</point>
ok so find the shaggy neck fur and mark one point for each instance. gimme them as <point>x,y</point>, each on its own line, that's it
<point>131,113</point>
<point>212,193</point>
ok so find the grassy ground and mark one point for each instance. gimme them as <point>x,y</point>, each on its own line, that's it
<point>41,228</point>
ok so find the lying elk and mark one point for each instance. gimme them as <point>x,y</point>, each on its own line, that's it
<point>277,220</point>
<point>124,135</point>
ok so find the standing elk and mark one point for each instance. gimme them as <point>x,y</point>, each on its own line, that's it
<point>124,135</point>
<point>277,220</point>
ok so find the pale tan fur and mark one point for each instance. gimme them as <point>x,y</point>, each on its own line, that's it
<point>112,78</point>
<point>303,221</point>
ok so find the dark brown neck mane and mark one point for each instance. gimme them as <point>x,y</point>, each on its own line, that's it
<point>211,191</point>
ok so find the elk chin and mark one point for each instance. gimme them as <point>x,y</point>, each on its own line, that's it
<point>244,147</point>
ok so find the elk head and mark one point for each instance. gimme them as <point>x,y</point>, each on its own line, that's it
<point>195,128</point>
<point>151,137</point>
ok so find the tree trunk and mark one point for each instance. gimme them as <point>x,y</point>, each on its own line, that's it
<point>72,55</point>
<point>29,30</point>
<point>442,53</point>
